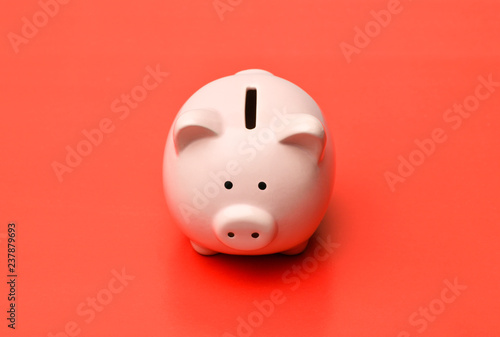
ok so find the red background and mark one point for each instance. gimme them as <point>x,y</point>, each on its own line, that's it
<point>397,248</point>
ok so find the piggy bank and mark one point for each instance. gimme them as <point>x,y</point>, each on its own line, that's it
<point>248,166</point>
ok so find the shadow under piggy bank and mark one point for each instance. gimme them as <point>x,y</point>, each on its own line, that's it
<point>259,295</point>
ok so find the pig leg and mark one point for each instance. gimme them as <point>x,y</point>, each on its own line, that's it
<point>297,249</point>
<point>202,250</point>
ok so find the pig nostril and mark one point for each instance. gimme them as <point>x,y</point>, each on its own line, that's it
<point>228,185</point>
<point>262,185</point>
<point>230,234</point>
<point>255,235</point>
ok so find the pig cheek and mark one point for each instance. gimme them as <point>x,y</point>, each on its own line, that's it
<point>300,182</point>
<point>300,193</point>
<point>192,212</point>
<point>200,193</point>
<point>197,186</point>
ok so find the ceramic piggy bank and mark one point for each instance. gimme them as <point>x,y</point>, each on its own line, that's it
<point>248,166</point>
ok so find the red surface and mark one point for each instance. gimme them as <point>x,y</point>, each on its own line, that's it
<point>397,250</point>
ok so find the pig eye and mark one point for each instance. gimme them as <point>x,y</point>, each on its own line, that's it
<point>262,185</point>
<point>228,185</point>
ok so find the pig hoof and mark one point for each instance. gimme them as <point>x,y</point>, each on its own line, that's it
<point>202,250</point>
<point>297,249</point>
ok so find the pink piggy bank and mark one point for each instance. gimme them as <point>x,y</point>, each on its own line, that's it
<point>248,166</point>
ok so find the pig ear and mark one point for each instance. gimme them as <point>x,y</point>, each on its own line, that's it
<point>307,132</point>
<point>195,124</point>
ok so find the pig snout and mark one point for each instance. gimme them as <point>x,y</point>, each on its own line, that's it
<point>244,227</point>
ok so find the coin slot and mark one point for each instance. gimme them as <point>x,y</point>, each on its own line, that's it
<point>251,108</point>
